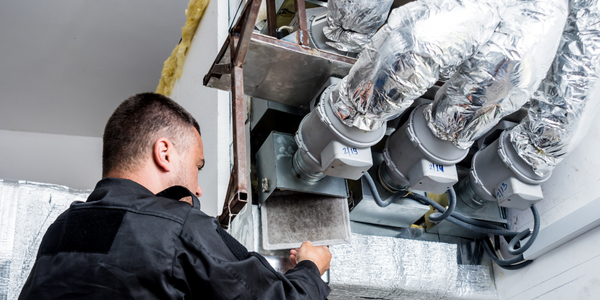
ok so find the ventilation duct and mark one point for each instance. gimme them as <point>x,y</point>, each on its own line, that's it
<point>567,98</point>
<point>421,42</point>
<point>352,23</point>
<point>501,77</point>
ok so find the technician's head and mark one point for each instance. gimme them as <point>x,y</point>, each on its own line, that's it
<point>154,141</point>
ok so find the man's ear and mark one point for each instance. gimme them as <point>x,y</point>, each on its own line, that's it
<point>163,154</point>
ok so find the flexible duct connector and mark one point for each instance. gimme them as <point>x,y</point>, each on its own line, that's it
<point>557,117</point>
<point>352,23</point>
<point>501,77</point>
<point>421,42</point>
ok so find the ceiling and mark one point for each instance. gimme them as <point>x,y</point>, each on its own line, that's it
<point>65,65</point>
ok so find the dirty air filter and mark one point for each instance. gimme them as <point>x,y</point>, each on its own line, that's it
<point>288,219</point>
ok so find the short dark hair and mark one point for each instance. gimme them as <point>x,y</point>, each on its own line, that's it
<point>137,123</point>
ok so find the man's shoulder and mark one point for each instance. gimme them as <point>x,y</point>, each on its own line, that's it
<point>197,221</point>
<point>148,205</point>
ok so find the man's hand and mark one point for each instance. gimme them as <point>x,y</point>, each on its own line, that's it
<point>319,255</point>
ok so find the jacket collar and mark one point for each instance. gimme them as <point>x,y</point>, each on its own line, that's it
<point>124,187</point>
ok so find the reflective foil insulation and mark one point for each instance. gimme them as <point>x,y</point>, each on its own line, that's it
<point>352,23</point>
<point>374,267</point>
<point>422,42</point>
<point>27,209</point>
<point>569,92</point>
<point>501,77</point>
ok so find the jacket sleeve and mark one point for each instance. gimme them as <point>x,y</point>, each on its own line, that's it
<point>210,264</point>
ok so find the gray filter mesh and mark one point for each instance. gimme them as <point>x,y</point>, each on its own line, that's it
<point>290,219</point>
<point>391,268</point>
<point>26,211</point>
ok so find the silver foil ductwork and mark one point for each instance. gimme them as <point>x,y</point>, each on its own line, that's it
<point>352,23</point>
<point>422,42</point>
<point>501,77</point>
<point>567,99</point>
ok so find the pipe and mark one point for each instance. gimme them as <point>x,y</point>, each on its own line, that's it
<point>463,221</point>
<point>526,233</point>
<point>352,23</point>
<point>566,100</point>
<point>375,194</point>
<point>422,42</point>
<point>509,264</point>
<point>321,136</point>
<point>449,210</point>
<point>501,77</point>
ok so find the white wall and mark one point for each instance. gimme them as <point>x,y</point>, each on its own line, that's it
<point>570,271</point>
<point>209,106</point>
<point>74,161</point>
<point>66,65</point>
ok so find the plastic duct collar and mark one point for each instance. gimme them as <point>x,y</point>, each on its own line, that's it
<point>554,125</point>
<point>352,23</point>
<point>501,77</point>
<point>421,42</point>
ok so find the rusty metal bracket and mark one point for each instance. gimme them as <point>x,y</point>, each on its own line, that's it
<point>239,38</point>
<point>237,44</point>
<point>302,32</point>
<point>271,18</point>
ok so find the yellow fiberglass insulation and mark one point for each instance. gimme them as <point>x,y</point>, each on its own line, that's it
<point>173,66</point>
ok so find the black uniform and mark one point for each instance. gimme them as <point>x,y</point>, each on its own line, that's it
<point>127,243</point>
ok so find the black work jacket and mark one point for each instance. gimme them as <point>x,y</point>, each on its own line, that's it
<point>127,243</point>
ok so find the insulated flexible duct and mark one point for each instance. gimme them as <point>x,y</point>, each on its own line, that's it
<point>501,77</point>
<point>421,42</point>
<point>352,23</point>
<point>563,104</point>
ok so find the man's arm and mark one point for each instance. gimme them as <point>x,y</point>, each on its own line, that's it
<point>213,265</point>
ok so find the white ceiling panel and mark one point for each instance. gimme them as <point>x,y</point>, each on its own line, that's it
<point>66,65</point>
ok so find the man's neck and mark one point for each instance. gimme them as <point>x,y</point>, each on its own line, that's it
<point>145,178</point>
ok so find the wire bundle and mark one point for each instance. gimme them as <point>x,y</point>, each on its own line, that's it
<point>474,225</point>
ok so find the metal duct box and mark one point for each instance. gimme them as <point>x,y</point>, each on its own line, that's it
<point>288,219</point>
<point>293,210</point>
<point>275,172</point>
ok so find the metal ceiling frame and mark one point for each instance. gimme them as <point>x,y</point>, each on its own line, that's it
<point>237,43</point>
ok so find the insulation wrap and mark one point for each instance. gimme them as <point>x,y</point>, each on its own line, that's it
<point>374,267</point>
<point>501,77</point>
<point>352,23</point>
<point>27,209</point>
<point>568,94</point>
<point>421,42</point>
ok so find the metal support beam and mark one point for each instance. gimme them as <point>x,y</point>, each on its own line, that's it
<point>302,33</point>
<point>237,190</point>
<point>271,18</point>
<point>237,44</point>
<point>212,72</point>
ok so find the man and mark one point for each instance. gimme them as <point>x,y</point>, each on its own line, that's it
<point>134,239</point>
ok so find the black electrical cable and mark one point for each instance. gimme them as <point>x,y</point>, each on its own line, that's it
<point>460,220</point>
<point>525,233</point>
<point>468,223</point>
<point>479,229</point>
<point>451,206</point>
<point>508,264</point>
<point>427,201</point>
<point>376,196</point>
